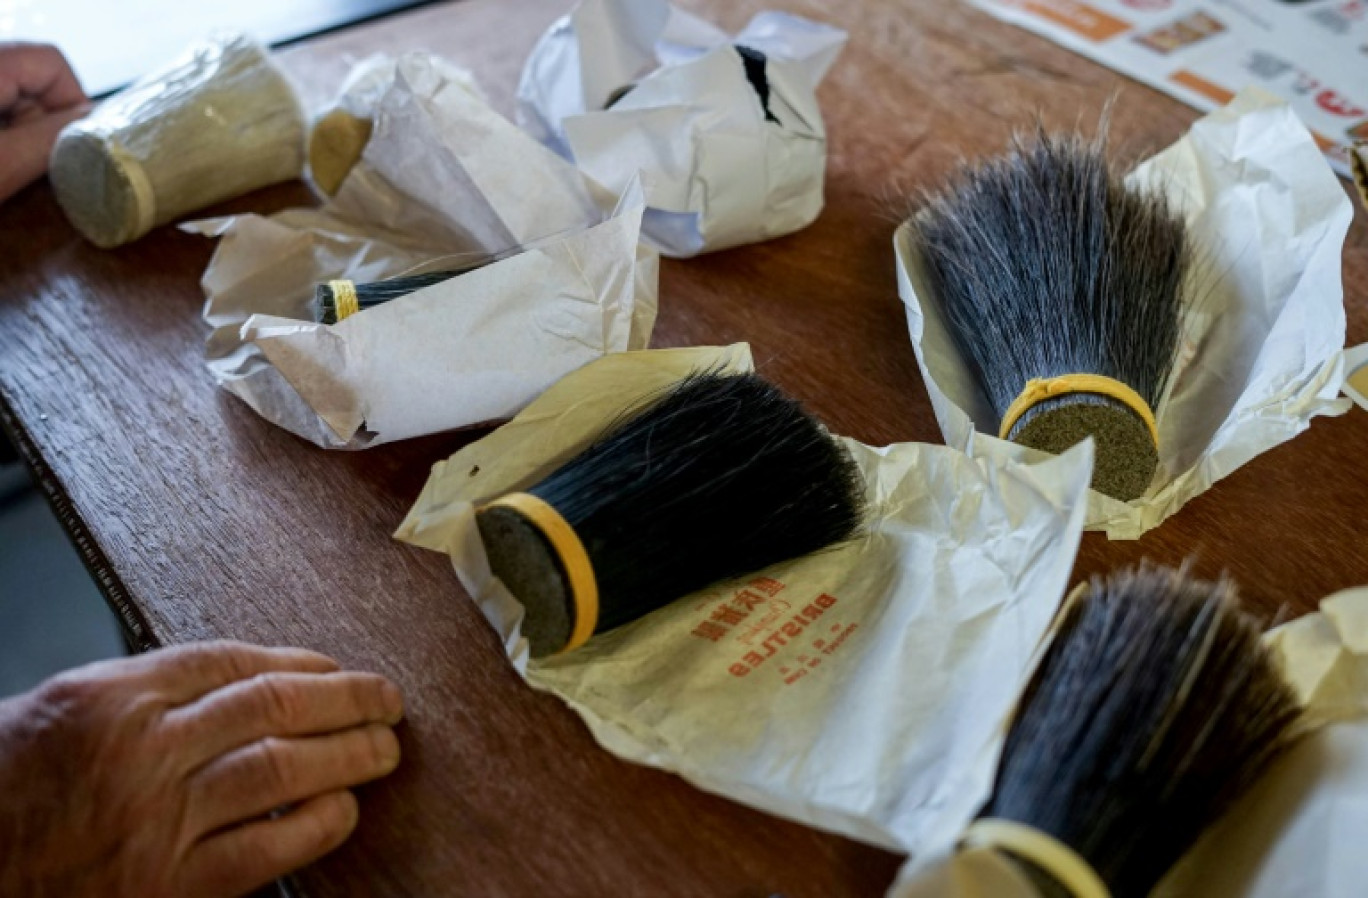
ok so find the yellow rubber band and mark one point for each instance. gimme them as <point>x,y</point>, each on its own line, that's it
<point>344,298</point>
<point>1039,389</point>
<point>566,543</point>
<point>1063,864</point>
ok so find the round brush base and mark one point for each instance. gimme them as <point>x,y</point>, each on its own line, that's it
<point>1126,457</point>
<point>522,558</point>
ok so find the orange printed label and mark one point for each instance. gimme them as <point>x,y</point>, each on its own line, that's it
<point>1080,18</point>
<point>764,625</point>
<point>1206,88</point>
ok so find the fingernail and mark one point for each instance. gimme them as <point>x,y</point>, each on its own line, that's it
<point>386,748</point>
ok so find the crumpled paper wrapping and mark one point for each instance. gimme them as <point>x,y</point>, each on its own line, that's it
<point>861,689</point>
<point>340,132</point>
<point>1297,833</point>
<point>1261,352</point>
<point>718,172</point>
<point>443,179</point>
<point>1356,378</point>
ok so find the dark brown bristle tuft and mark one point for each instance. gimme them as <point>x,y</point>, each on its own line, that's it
<point>1047,264</point>
<point>1154,708</point>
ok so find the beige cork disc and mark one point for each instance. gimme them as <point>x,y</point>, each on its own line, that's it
<point>98,195</point>
<point>336,143</point>
<point>1126,456</point>
<point>521,557</point>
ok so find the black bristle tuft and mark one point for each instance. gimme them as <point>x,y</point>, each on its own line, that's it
<point>379,292</point>
<point>722,476</point>
<point>754,62</point>
<point>1046,264</point>
<point>1154,708</point>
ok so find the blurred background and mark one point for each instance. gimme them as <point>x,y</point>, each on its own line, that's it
<point>52,616</point>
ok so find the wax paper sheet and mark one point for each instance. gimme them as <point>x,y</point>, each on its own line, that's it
<point>722,167</point>
<point>1298,832</point>
<point>443,180</point>
<point>1261,352</point>
<point>862,689</point>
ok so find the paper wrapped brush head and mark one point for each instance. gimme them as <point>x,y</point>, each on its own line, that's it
<point>1259,347</point>
<point>1094,806</point>
<point>218,122</point>
<point>517,269</point>
<point>861,688</point>
<point>725,129</point>
<point>340,133</point>
<point>1061,285</point>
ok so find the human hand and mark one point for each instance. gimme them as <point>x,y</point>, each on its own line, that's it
<point>164,774</point>
<point>39,95</point>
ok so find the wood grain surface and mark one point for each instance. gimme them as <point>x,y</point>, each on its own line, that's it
<point>201,520</point>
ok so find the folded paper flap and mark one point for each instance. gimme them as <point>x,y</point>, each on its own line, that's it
<point>811,46</point>
<point>938,608</point>
<point>313,358</point>
<point>1256,250</point>
<point>617,44</point>
<point>1325,655</point>
<point>1267,221</point>
<point>443,161</point>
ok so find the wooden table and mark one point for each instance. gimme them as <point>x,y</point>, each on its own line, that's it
<point>201,520</point>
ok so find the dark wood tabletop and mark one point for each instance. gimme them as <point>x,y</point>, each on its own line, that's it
<point>201,520</point>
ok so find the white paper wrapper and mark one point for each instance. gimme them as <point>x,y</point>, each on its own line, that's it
<point>1261,353</point>
<point>1298,833</point>
<point>862,690</point>
<point>340,132</point>
<point>718,172</point>
<point>443,178</point>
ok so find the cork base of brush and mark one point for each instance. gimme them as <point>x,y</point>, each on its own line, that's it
<point>719,476</point>
<point>110,202</point>
<point>525,560</point>
<point>1126,456</point>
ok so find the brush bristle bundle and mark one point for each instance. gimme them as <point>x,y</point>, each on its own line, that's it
<point>1156,705</point>
<point>378,292</point>
<point>1047,264</point>
<point>723,476</point>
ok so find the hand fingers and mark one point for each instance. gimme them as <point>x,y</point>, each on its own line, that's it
<point>272,773</point>
<point>39,72</point>
<point>281,704</point>
<point>185,673</point>
<point>247,857</point>
<point>24,149</point>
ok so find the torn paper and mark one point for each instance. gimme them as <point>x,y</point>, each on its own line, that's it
<point>726,130</point>
<point>443,180</point>
<point>1298,831</point>
<point>1261,352</point>
<point>862,689</point>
